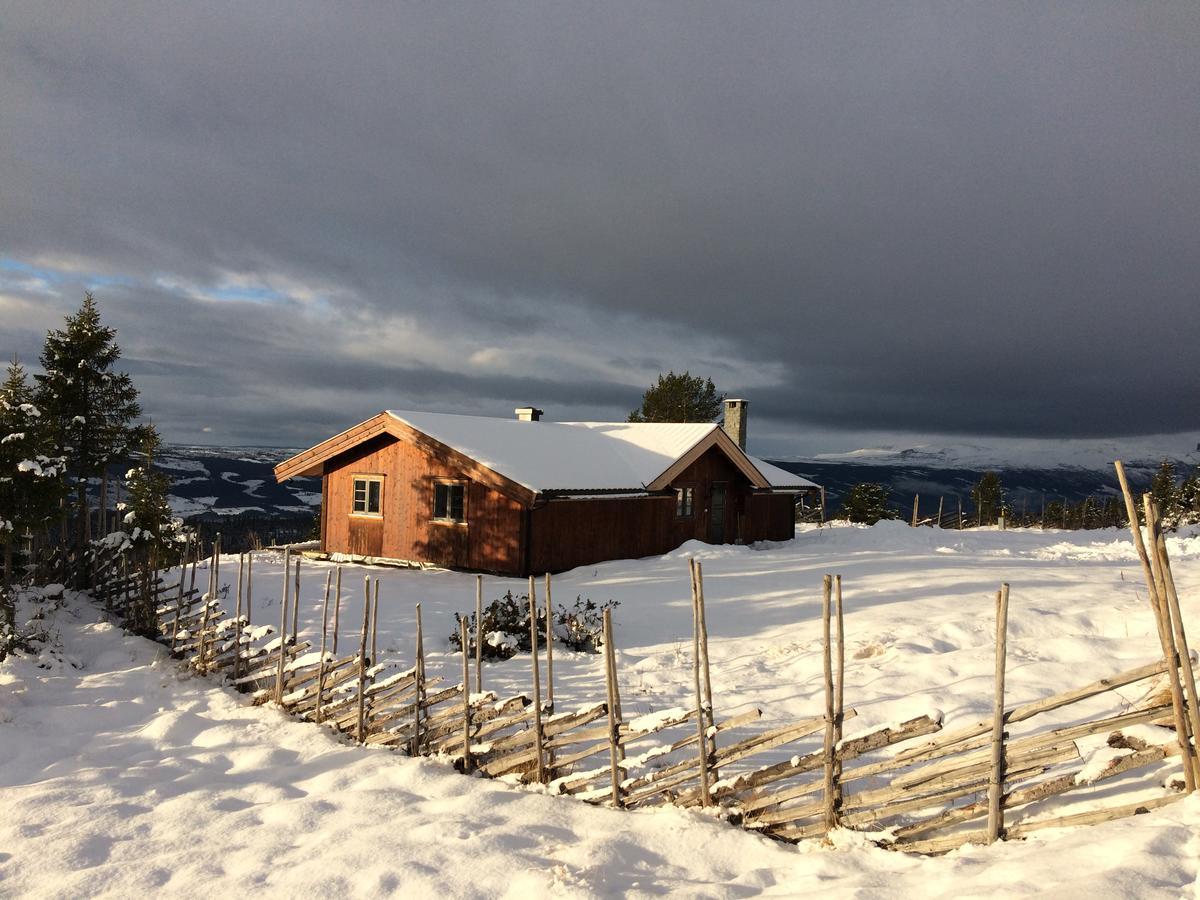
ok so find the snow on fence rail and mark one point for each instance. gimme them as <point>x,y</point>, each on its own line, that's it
<point>932,791</point>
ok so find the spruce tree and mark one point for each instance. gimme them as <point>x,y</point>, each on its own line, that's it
<point>1188,498</point>
<point>867,504</point>
<point>151,528</point>
<point>988,495</point>
<point>90,407</point>
<point>31,478</point>
<point>1165,491</point>
<point>679,398</point>
<point>147,514</point>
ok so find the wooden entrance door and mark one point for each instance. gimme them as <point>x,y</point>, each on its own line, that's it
<point>716,513</point>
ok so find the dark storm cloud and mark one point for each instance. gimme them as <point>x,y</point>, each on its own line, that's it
<point>962,218</point>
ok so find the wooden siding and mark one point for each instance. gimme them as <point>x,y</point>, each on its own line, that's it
<point>569,533</point>
<point>490,539</point>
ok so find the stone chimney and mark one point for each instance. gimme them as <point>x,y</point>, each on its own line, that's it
<point>735,420</point>
<point>528,413</point>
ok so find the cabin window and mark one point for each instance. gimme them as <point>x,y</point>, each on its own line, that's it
<point>448,500</point>
<point>685,502</point>
<point>368,495</point>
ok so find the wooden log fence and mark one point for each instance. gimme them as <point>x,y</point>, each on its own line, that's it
<point>920,788</point>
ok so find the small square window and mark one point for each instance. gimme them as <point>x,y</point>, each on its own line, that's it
<point>368,496</point>
<point>448,502</point>
<point>685,499</point>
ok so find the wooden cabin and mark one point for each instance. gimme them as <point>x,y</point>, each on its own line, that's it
<point>522,496</point>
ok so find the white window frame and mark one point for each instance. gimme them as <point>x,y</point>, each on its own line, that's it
<point>368,480</point>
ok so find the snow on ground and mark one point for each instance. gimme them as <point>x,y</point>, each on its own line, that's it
<point>122,775</point>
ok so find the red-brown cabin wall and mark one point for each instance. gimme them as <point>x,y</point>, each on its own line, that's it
<point>490,540</point>
<point>564,534</point>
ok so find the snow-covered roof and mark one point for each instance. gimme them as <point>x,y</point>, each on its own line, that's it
<point>549,456</point>
<point>780,478</point>
<point>575,456</point>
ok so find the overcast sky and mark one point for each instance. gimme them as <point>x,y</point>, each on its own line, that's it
<point>875,221</point>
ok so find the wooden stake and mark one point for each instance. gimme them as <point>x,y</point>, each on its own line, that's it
<point>839,696</point>
<point>249,586</point>
<point>549,649</point>
<point>1177,639</point>
<point>296,603</point>
<point>324,638</point>
<point>941,500</point>
<point>479,634</point>
<point>701,728</point>
<point>540,768</point>
<point>375,626</point>
<point>616,752</point>
<point>361,732</point>
<point>419,700</point>
<point>995,823</point>
<point>237,622</point>
<point>283,609</point>
<point>916,508</point>
<point>179,601</point>
<point>708,697</point>
<point>960,518</point>
<point>466,690</point>
<point>1158,606</point>
<point>337,609</point>
<point>831,818</point>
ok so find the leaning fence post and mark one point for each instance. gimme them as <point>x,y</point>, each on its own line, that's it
<point>179,601</point>
<point>708,696</point>
<point>1158,606</point>
<point>479,634</point>
<point>283,610</point>
<point>375,625</point>
<point>615,750</point>
<point>549,650</point>
<point>361,733</point>
<point>296,603</point>
<point>1171,626</point>
<point>839,694</point>
<point>540,767</point>
<point>237,622</point>
<point>337,608</point>
<point>831,820</point>
<point>995,821</point>
<point>419,698</point>
<point>324,639</point>
<point>1183,652</point>
<point>701,727</point>
<point>466,688</point>
<point>249,587</point>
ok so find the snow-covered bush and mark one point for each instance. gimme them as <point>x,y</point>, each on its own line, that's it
<point>506,626</point>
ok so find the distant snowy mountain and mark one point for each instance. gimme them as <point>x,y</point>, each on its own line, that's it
<point>1011,453</point>
<point>214,483</point>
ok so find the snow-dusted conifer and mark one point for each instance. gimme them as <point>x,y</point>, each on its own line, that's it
<point>147,515</point>
<point>89,407</point>
<point>31,477</point>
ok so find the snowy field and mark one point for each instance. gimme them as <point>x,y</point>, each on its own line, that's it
<point>121,775</point>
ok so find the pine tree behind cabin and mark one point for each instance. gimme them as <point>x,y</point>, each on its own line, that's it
<point>89,407</point>
<point>31,483</point>
<point>679,398</point>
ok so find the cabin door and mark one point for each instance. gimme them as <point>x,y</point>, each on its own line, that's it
<point>716,514</point>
